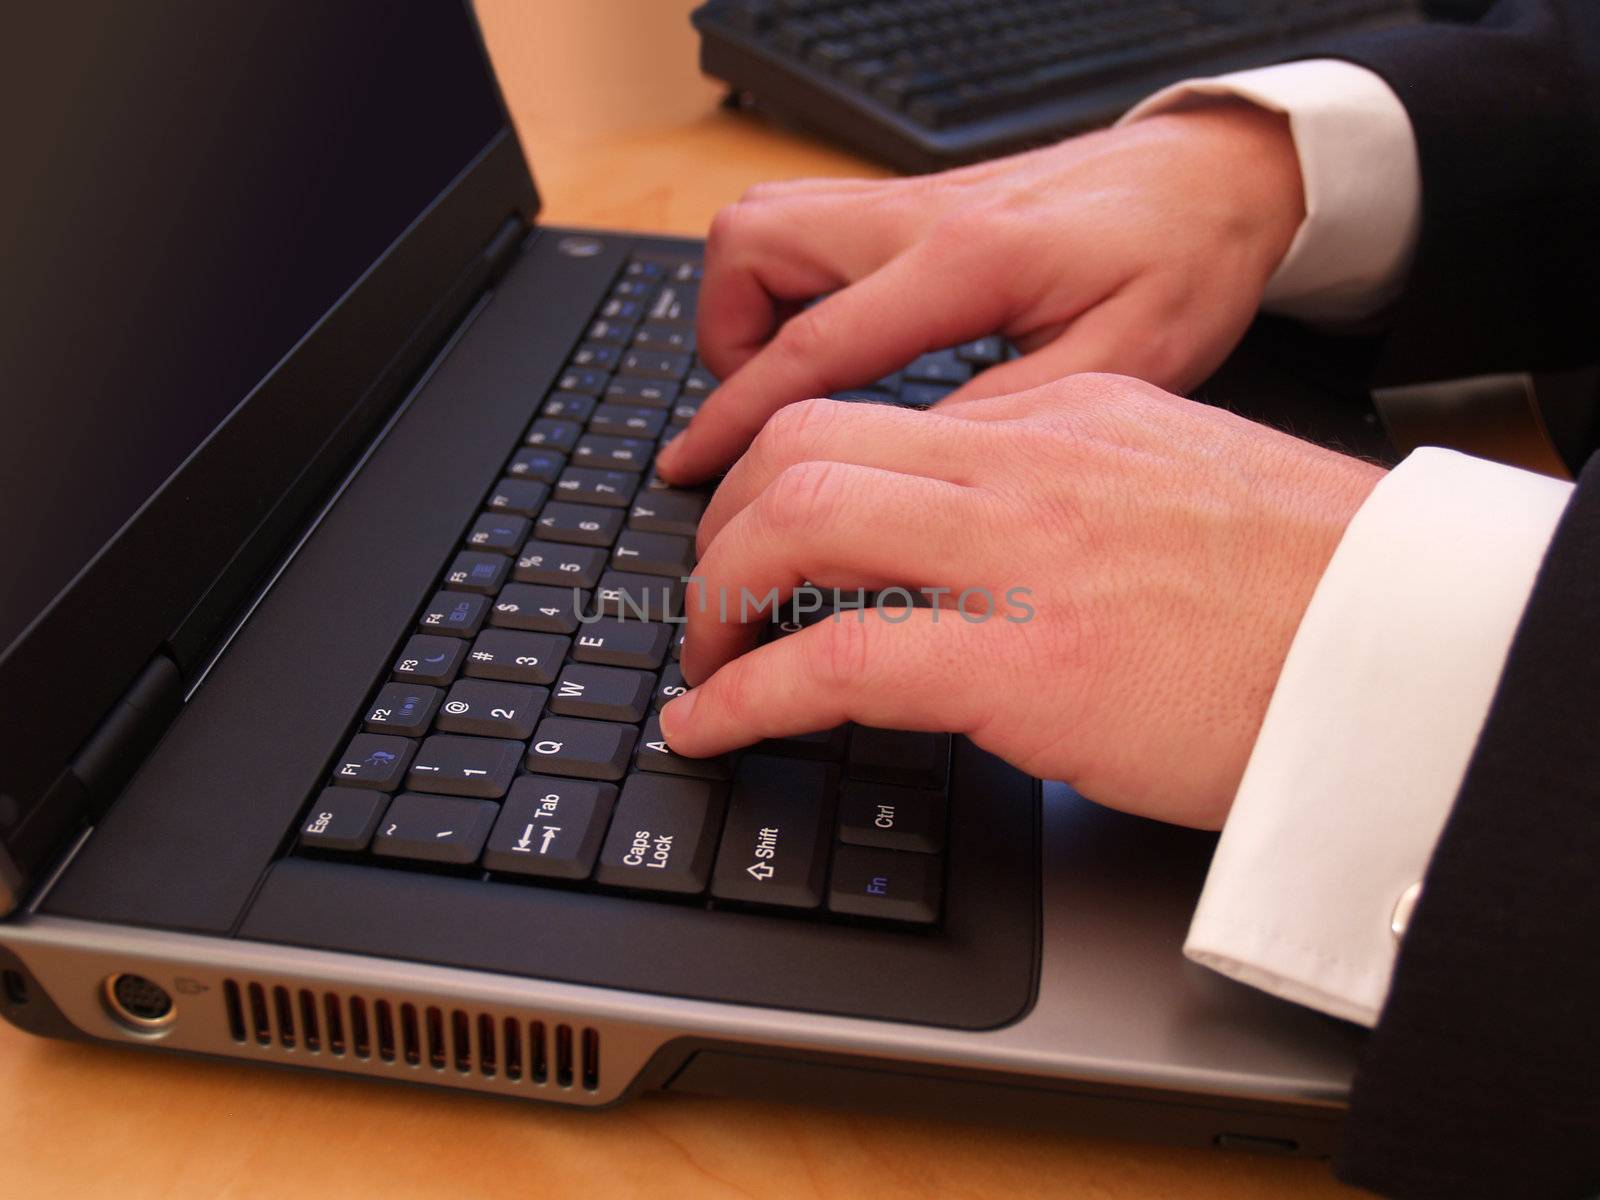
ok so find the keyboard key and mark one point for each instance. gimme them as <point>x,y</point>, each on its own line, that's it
<point>535,462</point>
<point>581,524</point>
<point>459,614</point>
<point>663,835</point>
<point>540,609</point>
<point>676,302</point>
<point>477,571</point>
<point>669,337</point>
<point>464,766</point>
<point>569,406</point>
<point>941,366</point>
<point>559,565</point>
<point>639,597</point>
<point>667,511</point>
<point>627,420</point>
<point>643,393</point>
<point>826,745</point>
<point>499,532</point>
<point>584,749</point>
<point>523,497</point>
<point>517,656</point>
<point>621,453</point>
<point>373,760</point>
<point>983,352</point>
<point>683,412</point>
<point>609,489</point>
<point>896,756</point>
<point>559,435</point>
<point>699,382</point>
<point>440,829</point>
<point>602,693</point>
<point>775,844</point>
<point>428,659</point>
<point>616,333</point>
<point>588,379</point>
<point>614,643</point>
<point>596,354</point>
<point>489,708</point>
<point>342,819</point>
<point>621,308</point>
<point>896,818</point>
<point>892,885</point>
<point>403,709</point>
<point>655,755</point>
<point>550,827</point>
<point>654,554</point>
<point>670,687</point>
<point>650,364</point>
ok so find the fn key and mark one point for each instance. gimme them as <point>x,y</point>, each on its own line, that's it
<point>891,885</point>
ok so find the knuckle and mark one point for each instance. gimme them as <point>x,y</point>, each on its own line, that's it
<point>805,336</point>
<point>726,227</point>
<point>733,693</point>
<point>840,653</point>
<point>805,495</point>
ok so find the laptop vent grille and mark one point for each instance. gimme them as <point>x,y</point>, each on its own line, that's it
<point>395,1032</point>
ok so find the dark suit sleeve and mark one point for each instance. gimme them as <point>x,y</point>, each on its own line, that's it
<point>1482,1078</point>
<point>1507,119</point>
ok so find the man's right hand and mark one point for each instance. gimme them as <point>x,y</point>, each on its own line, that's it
<point>1142,250</point>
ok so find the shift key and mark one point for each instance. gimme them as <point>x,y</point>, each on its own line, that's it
<point>775,846</point>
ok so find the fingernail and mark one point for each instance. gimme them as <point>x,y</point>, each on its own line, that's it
<point>671,452</point>
<point>676,714</point>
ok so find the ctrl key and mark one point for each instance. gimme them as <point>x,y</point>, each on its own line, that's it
<point>890,885</point>
<point>342,819</point>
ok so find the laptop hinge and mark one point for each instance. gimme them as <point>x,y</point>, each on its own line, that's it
<point>502,247</point>
<point>130,731</point>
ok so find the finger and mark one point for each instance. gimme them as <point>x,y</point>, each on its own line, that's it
<point>920,301</point>
<point>870,435</point>
<point>895,669</point>
<point>835,525</point>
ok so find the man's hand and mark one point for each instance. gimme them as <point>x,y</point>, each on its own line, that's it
<point>1142,250</point>
<point>1169,548</point>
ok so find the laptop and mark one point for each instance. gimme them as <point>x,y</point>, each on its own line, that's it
<point>341,600</point>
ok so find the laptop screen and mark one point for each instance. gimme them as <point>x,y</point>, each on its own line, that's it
<point>190,186</point>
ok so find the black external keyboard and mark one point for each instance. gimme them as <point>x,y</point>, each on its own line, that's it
<point>929,83</point>
<point>516,735</point>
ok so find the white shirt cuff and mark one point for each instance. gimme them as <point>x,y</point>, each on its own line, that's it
<point>1370,729</point>
<point>1363,185</point>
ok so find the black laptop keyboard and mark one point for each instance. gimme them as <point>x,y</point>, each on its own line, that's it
<point>516,735</point>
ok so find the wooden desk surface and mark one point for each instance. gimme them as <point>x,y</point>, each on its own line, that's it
<point>622,132</point>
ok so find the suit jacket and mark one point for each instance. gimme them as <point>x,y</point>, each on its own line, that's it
<point>1482,1078</point>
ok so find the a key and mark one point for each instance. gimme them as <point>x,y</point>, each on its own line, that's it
<point>892,885</point>
<point>668,511</point>
<point>517,656</point>
<point>650,364</point>
<point>403,709</point>
<point>609,489</point>
<point>614,643</point>
<point>655,755</point>
<point>581,748</point>
<point>653,554</point>
<point>498,532</point>
<point>538,608</point>
<point>775,843</point>
<point>826,745</point>
<point>621,453</point>
<point>342,819</point>
<point>941,366</point>
<point>569,406</point>
<point>581,524</point>
<point>663,834</point>
<point>373,760</point>
<point>639,597</point>
<point>588,379</point>
<point>559,435</point>
<point>627,420</point>
<point>464,766</point>
<point>670,337</point>
<point>670,687</point>
<point>612,333</point>
<point>559,565</point>
<point>523,497</point>
<point>602,693</point>
<point>459,614</point>
<point>428,659</point>
<point>896,818</point>
<point>550,827</point>
<point>644,393</point>
<point>897,756</point>
<point>477,571</point>
<point>440,829</point>
<point>489,708</point>
<point>536,462</point>
<point>596,354</point>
